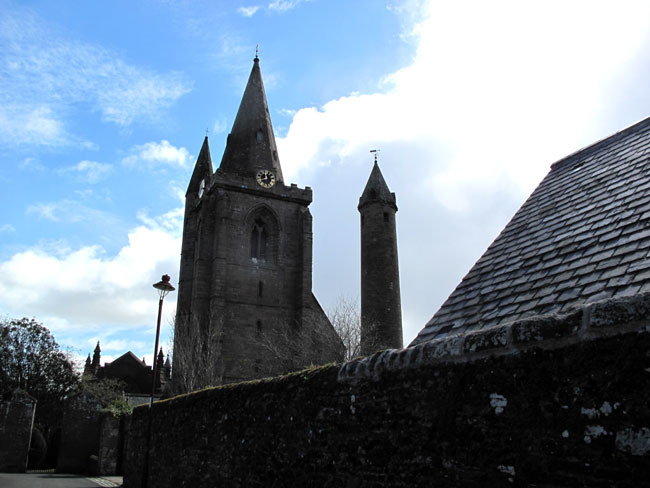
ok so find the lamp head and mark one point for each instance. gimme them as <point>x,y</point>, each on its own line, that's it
<point>164,286</point>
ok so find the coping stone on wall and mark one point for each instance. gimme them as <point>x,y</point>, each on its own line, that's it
<point>591,321</point>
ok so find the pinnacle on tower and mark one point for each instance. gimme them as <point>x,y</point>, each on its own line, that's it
<point>96,356</point>
<point>251,143</point>
<point>202,169</point>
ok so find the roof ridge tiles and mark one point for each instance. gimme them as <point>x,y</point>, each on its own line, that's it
<point>611,139</point>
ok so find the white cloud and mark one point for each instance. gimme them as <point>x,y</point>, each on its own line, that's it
<point>89,171</point>
<point>248,11</point>
<point>27,123</point>
<point>496,92</point>
<point>31,164</point>
<point>7,228</point>
<point>118,345</point>
<point>158,153</point>
<point>44,211</point>
<point>73,211</point>
<point>219,126</point>
<point>286,112</point>
<point>43,74</point>
<point>85,289</point>
<point>283,5</point>
<point>458,90</point>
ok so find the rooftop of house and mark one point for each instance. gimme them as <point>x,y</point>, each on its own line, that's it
<point>581,237</point>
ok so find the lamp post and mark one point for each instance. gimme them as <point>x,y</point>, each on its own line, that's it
<point>163,287</point>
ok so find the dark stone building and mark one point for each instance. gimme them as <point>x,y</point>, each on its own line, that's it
<point>245,304</point>
<point>381,310</point>
<point>132,372</point>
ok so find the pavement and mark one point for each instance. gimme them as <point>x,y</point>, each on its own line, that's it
<point>56,480</point>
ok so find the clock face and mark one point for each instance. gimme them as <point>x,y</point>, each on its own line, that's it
<point>201,188</point>
<point>265,178</point>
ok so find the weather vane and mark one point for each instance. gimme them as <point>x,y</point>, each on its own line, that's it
<point>257,51</point>
<point>375,151</point>
<point>206,132</point>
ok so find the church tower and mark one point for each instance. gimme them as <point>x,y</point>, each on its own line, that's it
<point>381,310</point>
<point>245,305</point>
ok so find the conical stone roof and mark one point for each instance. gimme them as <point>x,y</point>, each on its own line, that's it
<point>376,189</point>
<point>251,143</point>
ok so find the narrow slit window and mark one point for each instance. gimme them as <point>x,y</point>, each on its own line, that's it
<point>260,289</point>
<point>385,216</point>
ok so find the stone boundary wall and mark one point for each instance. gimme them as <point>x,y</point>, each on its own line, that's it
<point>547,401</point>
<point>17,411</point>
<point>80,433</point>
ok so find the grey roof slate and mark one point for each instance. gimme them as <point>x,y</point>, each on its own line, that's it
<point>582,236</point>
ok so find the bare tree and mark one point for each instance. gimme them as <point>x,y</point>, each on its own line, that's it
<point>195,356</point>
<point>346,319</point>
<point>292,348</point>
<point>199,358</point>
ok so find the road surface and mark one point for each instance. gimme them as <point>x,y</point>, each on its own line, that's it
<point>52,480</point>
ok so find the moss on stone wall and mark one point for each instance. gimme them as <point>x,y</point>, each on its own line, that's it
<point>572,413</point>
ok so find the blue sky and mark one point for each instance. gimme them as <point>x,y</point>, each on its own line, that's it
<point>104,106</point>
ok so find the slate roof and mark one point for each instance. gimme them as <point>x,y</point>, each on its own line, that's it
<point>582,236</point>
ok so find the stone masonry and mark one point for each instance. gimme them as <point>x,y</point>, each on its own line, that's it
<point>381,308</point>
<point>557,400</point>
<point>16,422</point>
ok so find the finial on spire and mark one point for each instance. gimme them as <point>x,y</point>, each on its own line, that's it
<point>375,151</point>
<point>206,132</point>
<point>257,51</point>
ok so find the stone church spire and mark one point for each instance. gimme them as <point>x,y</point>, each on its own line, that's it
<point>381,309</point>
<point>251,144</point>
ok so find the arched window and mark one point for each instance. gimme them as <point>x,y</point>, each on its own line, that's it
<point>262,231</point>
<point>258,240</point>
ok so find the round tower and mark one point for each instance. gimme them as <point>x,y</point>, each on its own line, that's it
<point>381,310</point>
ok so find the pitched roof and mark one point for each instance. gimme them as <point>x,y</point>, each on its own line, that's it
<point>376,189</point>
<point>127,357</point>
<point>582,236</point>
<point>251,143</point>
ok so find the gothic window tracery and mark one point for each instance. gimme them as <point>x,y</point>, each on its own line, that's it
<point>259,240</point>
<point>261,236</point>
